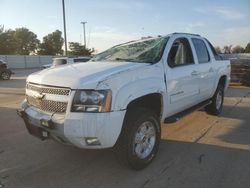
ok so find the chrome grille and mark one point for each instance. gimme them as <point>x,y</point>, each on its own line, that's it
<point>47,105</point>
<point>46,89</point>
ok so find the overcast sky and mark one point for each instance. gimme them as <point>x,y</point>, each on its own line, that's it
<point>110,22</point>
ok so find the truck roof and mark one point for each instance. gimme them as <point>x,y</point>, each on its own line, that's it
<point>159,36</point>
<point>185,34</point>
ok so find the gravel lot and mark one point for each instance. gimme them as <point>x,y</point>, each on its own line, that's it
<point>198,151</point>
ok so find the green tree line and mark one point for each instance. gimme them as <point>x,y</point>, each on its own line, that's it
<point>22,41</point>
<point>233,50</point>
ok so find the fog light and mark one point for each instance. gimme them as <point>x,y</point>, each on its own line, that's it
<point>92,141</point>
<point>47,123</point>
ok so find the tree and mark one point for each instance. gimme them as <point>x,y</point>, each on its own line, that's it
<point>7,42</point>
<point>218,50</point>
<point>21,41</point>
<point>247,49</point>
<point>52,44</point>
<point>79,50</point>
<point>26,41</point>
<point>1,29</point>
<point>238,49</point>
<point>227,49</point>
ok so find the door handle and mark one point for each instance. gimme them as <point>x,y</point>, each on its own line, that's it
<point>195,73</point>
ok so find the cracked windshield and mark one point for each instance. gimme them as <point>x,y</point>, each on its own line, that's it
<point>145,51</point>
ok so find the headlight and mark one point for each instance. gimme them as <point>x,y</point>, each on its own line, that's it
<point>92,101</point>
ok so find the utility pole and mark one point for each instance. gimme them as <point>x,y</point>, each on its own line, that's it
<point>64,26</point>
<point>84,34</point>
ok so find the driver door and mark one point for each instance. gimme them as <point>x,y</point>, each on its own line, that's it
<point>182,77</point>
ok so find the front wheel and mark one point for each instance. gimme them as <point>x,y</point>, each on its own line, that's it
<point>215,108</point>
<point>140,138</point>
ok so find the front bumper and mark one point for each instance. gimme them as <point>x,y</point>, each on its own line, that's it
<point>74,128</point>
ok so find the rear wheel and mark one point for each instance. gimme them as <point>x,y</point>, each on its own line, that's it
<point>5,75</point>
<point>215,107</point>
<point>140,138</point>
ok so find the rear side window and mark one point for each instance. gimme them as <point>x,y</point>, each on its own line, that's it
<point>201,50</point>
<point>180,53</point>
<point>216,55</point>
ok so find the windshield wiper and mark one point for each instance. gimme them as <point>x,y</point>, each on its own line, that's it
<point>124,59</point>
<point>133,60</point>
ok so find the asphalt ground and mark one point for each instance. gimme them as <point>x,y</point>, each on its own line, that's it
<point>200,150</point>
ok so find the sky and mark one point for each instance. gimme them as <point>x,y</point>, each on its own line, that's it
<point>110,22</point>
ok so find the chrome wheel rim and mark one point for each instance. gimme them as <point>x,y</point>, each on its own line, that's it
<point>5,76</point>
<point>145,138</point>
<point>219,100</point>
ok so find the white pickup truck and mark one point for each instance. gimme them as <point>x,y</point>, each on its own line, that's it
<point>121,96</point>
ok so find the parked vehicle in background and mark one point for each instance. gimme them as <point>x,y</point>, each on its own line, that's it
<point>120,97</point>
<point>5,72</point>
<point>66,60</point>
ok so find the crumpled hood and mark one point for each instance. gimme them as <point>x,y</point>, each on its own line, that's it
<point>80,75</point>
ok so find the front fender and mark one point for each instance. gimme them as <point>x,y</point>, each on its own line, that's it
<point>136,89</point>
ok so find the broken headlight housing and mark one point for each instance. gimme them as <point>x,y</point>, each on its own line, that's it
<point>92,101</point>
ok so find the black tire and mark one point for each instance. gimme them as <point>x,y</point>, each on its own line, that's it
<point>5,75</point>
<point>125,148</point>
<point>214,108</point>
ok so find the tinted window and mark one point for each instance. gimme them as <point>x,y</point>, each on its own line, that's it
<point>59,62</point>
<point>216,55</point>
<point>180,53</point>
<point>201,51</point>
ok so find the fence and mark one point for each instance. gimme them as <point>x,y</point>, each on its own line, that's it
<point>236,56</point>
<point>36,61</point>
<point>240,67</point>
<point>240,71</point>
<point>26,61</point>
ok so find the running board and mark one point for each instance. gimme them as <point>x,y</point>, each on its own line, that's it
<point>178,116</point>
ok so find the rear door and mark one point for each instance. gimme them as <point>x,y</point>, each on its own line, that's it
<point>182,77</point>
<point>205,68</point>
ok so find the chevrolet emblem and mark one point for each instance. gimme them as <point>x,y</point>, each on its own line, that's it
<point>39,96</point>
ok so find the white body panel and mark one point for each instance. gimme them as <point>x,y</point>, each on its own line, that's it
<point>179,88</point>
